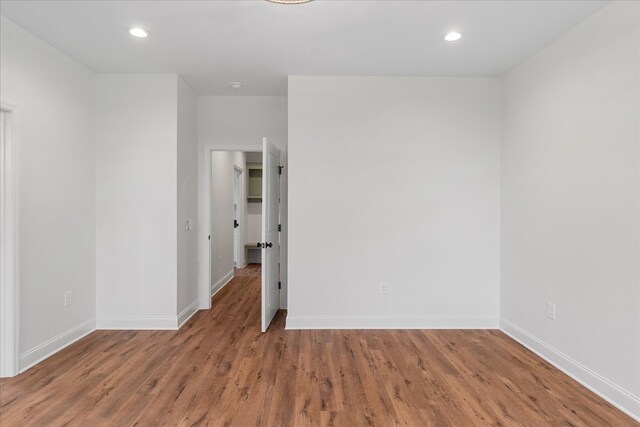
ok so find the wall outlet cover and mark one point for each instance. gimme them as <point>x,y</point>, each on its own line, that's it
<point>68,298</point>
<point>384,288</point>
<point>551,311</point>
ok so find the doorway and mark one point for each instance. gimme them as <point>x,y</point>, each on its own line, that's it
<point>227,220</point>
<point>234,238</point>
<point>236,214</point>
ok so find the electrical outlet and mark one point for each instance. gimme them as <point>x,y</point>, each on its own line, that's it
<point>551,311</point>
<point>384,288</point>
<point>68,298</point>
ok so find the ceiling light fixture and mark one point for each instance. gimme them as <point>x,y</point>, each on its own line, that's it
<point>236,85</point>
<point>453,36</point>
<point>289,1</point>
<point>138,32</point>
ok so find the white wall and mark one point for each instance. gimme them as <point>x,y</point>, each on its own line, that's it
<point>222,215</point>
<point>187,173</point>
<point>136,200</point>
<point>101,159</point>
<point>241,121</point>
<point>571,202</point>
<point>393,180</point>
<point>54,118</point>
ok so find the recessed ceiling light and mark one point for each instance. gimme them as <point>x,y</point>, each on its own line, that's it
<point>236,85</point>
<point>453,36</point>
<point>289,1</point>
<point>138,32</point>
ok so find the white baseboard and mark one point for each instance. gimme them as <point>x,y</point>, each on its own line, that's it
<point>148,322</point>
<point>221,283</point>
<point>187,313</point>
<point>48,348</point>
<point>137,323</point>
<point>391,322</point>
<point>609,391</point>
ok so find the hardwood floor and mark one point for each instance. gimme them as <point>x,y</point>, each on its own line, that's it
<point>219,370</point>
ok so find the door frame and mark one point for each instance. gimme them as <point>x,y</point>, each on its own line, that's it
<point>9,251</point>
<point>204,222</point>
<point>205,202</point>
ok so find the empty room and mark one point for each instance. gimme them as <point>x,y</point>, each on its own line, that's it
<point>320,213</point>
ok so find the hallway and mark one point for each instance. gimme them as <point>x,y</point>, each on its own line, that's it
<point>219,370</point>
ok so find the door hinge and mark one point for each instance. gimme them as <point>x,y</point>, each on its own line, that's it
<point>279,227</point>
<point>279,285</point>
<point>280,169</point>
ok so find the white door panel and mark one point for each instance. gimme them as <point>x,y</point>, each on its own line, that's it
<point>270,232</point>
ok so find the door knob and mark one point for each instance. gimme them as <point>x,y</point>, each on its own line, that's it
<point>259,245</point>
<point>268,245</point>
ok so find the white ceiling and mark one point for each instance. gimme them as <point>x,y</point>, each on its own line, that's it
<point>212,43</point>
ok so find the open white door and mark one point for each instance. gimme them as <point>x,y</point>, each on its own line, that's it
<point>270,232</point>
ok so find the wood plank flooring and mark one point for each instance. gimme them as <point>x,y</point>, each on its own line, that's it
<point>219,370</point>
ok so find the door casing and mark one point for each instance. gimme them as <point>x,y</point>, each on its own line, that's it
<point>204,215</point>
